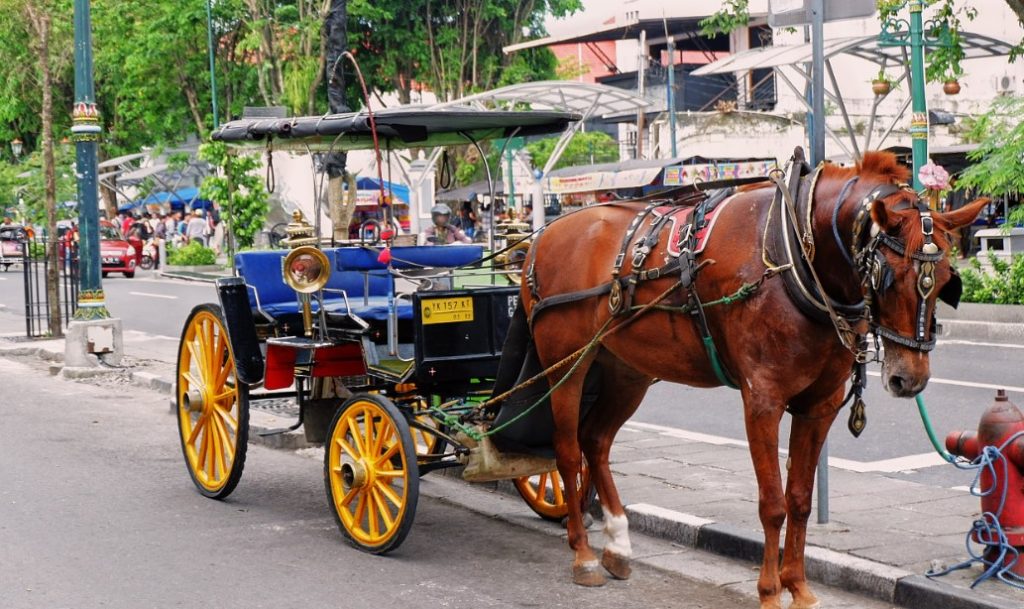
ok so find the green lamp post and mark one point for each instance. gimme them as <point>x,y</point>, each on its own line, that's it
<point>85,130</point>
<point>912,33</point>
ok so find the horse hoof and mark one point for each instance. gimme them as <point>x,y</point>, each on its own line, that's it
<point>589,576</point>
<point>805,604</point>
<point>617,566</point>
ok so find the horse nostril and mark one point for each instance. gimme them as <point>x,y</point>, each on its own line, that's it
<point>896,384</point>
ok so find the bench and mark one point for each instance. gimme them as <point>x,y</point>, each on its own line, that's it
<point>358,284</point>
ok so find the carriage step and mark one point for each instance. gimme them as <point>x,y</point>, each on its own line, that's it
<point>279,430</point>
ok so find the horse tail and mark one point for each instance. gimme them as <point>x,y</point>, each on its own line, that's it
<point>518,343</point>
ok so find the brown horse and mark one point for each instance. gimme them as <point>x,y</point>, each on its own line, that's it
<point>873,243</point>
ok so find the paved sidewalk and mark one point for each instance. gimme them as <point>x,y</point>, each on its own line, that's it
<point>883,535</point>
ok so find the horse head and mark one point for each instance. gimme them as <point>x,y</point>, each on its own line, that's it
<point>901,250</point>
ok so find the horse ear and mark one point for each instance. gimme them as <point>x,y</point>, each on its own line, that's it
<point>966,214</point>
<point>880,216</point>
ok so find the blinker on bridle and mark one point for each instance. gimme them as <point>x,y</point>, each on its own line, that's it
<point>877,275</point>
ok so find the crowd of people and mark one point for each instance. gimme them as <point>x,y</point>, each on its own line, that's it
<point>177,228</point>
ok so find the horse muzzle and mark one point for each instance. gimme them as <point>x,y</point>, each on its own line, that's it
<point>901,383</point>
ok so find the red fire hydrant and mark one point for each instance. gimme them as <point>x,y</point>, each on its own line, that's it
<point>1001,421</point>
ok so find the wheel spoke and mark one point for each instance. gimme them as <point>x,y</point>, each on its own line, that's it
<point>193,350</point>
<point>388,454</point>
<point>383,510</point>
<point>225,415</point>
<point>357,516</point>
<point>387,491</point>
<point>347,448</point>
<point>203,449</point>
<point>192,380</point>
<point>350,495</point>
<point>225,440</point>
<point>390,473</point>
<point>217,458</point>
<point>541,485</point>
<point>556,488</point>
<point>218,356</point>
<point>371,514</point>
<point>199,424</point>
<point>369,424</point>
<point>353,431</point>
<point>383,433</point>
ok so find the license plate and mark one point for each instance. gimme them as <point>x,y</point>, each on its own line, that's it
<point>110,260</point>
<point>446,310</point>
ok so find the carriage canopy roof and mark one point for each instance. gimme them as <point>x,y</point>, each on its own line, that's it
<point>396,128</point>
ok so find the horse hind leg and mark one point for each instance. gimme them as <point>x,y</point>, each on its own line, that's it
<point>621,393</point>
<point>806,439</point>
<point>565,406</point>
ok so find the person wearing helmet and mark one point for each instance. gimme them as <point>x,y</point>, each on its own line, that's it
<point>441,232</point>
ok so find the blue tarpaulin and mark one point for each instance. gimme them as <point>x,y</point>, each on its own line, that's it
<point>399,192</point>
<point>177,200</point>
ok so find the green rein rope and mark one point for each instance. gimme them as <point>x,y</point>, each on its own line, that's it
<point>455,421</point>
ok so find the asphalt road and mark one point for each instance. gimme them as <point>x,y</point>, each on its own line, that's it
<point>96,510</point>
<point>964,377</point>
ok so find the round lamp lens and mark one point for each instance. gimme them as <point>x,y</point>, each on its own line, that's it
<point>305,270</point>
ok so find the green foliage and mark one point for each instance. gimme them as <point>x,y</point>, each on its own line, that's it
<point>238,190</point>
<point>193,254</point>
<point>1005,285</point>
<point>733,14</point>
<point>25,182</point>
<point>583,149</point>
<point>995,168</point>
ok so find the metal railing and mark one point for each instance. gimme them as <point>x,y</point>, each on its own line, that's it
<point>36,267</point>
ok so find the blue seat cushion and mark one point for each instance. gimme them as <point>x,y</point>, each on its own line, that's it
<point>374,309</point>
<point>408,257</point>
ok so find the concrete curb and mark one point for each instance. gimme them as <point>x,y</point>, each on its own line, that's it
<point>995,331</point>
<point>870,578</point>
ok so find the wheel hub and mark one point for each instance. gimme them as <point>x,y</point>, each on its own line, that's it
<point>194,400</point>
<point>356,474</point>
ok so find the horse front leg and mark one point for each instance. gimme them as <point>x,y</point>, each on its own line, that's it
<point>808,435</point>
<point>762,415</point>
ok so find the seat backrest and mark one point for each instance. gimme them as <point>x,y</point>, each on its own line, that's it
<point>408,257</point>
<point>262,270</point>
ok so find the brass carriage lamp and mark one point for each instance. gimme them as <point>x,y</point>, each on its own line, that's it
<point>306,270</point>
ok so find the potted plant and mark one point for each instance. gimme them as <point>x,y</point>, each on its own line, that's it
<point>881,85</point>
<point>951,83</point>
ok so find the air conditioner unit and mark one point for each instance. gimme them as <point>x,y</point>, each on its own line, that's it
<point>1003,85</point>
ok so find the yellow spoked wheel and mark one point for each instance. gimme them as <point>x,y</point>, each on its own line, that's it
<point>370,473</point>
<point>213,409</point>
<point>545,493</point>
<point>427,443</point>
<point>511,262</point>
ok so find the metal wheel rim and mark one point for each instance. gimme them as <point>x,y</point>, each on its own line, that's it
<point>545,492</point>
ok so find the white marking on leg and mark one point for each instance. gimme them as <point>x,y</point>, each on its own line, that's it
<point>616,530</point>
<point>589,564</point>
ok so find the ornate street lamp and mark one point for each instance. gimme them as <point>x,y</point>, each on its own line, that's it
<point>16,147</point>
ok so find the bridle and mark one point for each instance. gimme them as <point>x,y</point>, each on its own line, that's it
<point>876,274</point>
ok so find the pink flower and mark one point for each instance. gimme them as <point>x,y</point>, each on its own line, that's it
<point>933,176</point>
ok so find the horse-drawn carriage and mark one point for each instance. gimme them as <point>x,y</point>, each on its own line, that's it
<point>779,302</point>
<point>378,358</point>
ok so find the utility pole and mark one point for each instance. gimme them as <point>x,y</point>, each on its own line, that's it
<point>92,334</point>
<point>641,69</point>
<point>672,94</point>
<point>213,75</point>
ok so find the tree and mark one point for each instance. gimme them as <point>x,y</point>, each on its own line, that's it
<point>237,190</point>
<point>995,164</point>
<point>583,149</point>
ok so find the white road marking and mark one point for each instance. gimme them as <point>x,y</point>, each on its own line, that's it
<point>974,343</point>
<point>898,464</point>
<point>965,383</point>
<point>154,295</point>
<point>148,336</point>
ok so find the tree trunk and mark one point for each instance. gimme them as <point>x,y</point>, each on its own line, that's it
<point>41,24</point>
<point>336,35</point>
<point>1017,6</point>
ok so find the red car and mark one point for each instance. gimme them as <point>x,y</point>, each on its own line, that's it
<point>117,254</point>
<point>11,237</point>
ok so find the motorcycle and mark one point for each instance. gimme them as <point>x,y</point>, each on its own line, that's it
<point>150,255</point>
